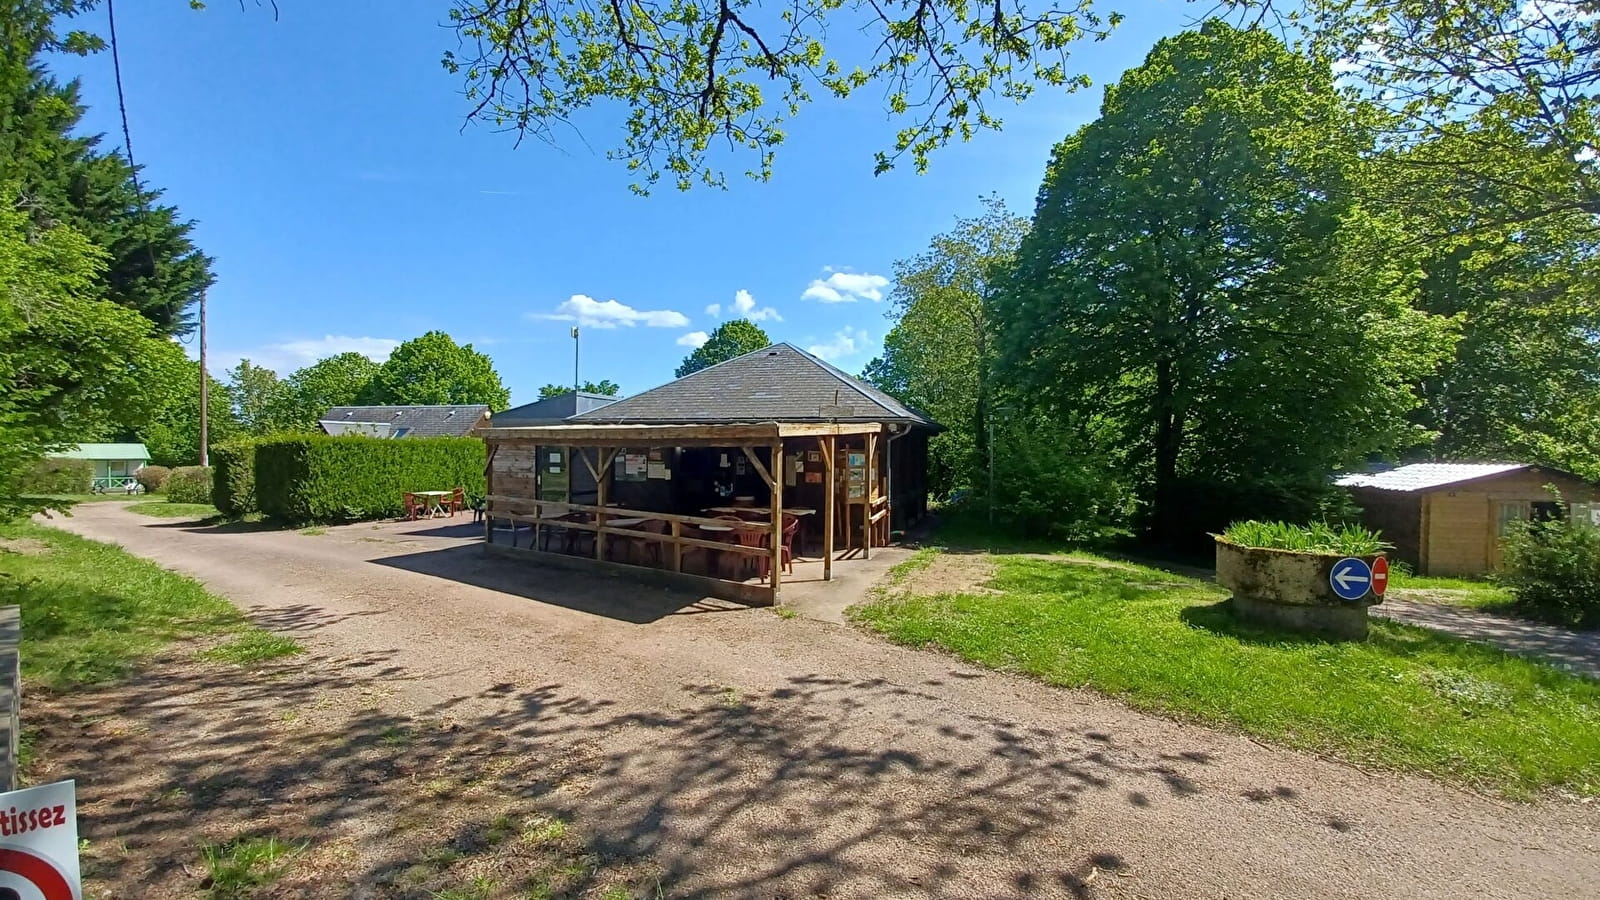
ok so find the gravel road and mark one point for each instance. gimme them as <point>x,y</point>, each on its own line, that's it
<point>756,756</point>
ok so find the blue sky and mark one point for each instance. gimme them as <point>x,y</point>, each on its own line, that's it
<point>323,158</point>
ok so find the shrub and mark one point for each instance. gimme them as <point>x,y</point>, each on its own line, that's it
<point>1051,482</point>
<point>153,478</point>
<point>1318,537</point>
<point>58,476</point>
<point>233,477</point>
<point>1553,570</point>
<point>319,478</point>
<point>189,484</point>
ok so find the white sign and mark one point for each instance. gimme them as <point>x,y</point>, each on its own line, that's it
<point>39,843</point>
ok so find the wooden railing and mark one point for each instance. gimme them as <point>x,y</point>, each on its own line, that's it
<point>674,536</point>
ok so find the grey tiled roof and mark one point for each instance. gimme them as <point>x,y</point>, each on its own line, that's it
<point>419,421</point>
<point>550,410</point>
<point>780,383</point>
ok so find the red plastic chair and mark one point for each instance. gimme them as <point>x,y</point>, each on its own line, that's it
<point>753,537</point>
<point>791,527</point>
<point>457,502</point>
<point>413,509</point>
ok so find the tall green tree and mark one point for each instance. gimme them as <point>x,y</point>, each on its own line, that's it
<point>261,400</point>
<point>735,337</point>
<point>338,380</point>
<point>433,369</point>
<point>171,429</point>
<point>606,387</point>
<point>1200,270</point>
<point>1528,296</point>
<point>69,361</point>
<point>694,75</point>
<point>938,354</point>
<point>150,261</point>
<point>1480,83</point>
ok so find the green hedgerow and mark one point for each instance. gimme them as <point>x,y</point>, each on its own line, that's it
<point>189,484</point>
<point>321,478</point>
<point>233,477</point>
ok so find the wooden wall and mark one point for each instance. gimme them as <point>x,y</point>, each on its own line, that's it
<point>1461,526</point>
<point>1398,516</point>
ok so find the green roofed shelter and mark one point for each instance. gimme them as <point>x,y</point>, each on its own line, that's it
<point>115,465</point>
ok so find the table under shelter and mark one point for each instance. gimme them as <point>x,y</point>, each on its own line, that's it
<point>720,508</point>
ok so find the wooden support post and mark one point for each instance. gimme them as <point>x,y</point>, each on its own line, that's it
<point>776,541</point>
<point>828,445</point>
<point>488,490</point>
<point>600,517</point>
<point>677,546</point>
<point>866,498</point>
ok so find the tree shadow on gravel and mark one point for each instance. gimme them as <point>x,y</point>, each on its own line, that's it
<point>793,791</point>
<point>613,596</point>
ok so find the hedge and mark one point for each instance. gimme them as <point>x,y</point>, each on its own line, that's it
<point>58,476</point>
<point>233,477</point>
<point>189,484</point>
<point>320,478</point>
<point>153,478</point>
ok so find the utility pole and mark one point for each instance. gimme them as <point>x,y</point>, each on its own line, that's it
<point>574,359</point>
<point>205,389</point>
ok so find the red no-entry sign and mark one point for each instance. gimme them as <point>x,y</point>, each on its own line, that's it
<point>1380,576</point>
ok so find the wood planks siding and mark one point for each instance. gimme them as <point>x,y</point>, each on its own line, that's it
<point>1462,535</point>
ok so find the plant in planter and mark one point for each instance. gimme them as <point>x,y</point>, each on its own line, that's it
<point>1299,576</point>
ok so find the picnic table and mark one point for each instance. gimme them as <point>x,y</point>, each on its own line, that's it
<point>433,505</point>
<point>760,511</point>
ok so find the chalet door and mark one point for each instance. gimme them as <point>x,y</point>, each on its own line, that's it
<point>1505,514</point>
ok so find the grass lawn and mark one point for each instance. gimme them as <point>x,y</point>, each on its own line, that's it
<point>168,510</point>
<point>91,611</point>
<point>92,498</point>
<point>1469,592</point>
<point>1406,698</point>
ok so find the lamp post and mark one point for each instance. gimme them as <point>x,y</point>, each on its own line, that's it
<point>574,360</point>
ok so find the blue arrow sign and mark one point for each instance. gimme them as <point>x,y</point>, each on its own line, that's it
<point>1351,578</point>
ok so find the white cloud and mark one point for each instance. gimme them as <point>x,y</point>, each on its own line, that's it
<point>845,343</point>
<point>286,356</point>
<point>594,313</point>
<point>846,287</point>
<point>745,305</point>
<point>695,339</point>
<point>714,309</point>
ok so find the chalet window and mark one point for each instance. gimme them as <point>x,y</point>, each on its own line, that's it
<point>1509,511</point>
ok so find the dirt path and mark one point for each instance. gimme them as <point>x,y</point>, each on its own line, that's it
<point>753,756</point>
<point>1577,651</point>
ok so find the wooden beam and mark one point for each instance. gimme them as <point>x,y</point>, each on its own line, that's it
<point>828,444</point>
<point>593,472</point>
<point>866,500</point>
<point>488,488</point>
<point>677,546</point>
<point>599,517</point>
<point>726,435</point>
<point>750,454</point>
<point>776,540</point>
<point>500,501</point>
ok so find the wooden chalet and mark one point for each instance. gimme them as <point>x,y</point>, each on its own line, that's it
<point>711,480</point>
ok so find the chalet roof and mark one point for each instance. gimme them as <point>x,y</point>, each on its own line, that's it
<point>780,383</point>
<point>105,451</point>
<point>405,421</point>
<point>550,410</point>
<point>1428,476</point>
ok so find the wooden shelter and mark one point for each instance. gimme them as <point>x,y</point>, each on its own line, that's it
<point>1450,518</point>
<point>536,493</point>
<point>776,441</point>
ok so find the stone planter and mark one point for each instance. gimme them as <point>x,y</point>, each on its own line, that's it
<point>1290,589</point>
